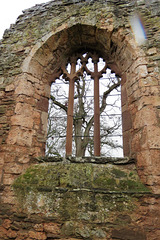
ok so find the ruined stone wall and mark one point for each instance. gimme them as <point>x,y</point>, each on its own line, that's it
<point>81,200</point>
<point>31,53</point>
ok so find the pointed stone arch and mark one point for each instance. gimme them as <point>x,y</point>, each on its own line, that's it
<point>45,59</point>
<point>42,65</point>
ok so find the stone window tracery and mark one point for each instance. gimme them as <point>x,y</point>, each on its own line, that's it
<point>89,64</point>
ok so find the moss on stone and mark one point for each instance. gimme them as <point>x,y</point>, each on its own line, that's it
<point>84,191</point>
<point>131,185</point>
<point>74,175</point>
<point>104,182</point>
<point>118,173</point>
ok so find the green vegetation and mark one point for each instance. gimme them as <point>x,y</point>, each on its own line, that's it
<point>72,190</point>
<point>79,176</point>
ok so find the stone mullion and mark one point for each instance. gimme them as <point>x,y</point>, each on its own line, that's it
<point>70,111</point>
<point>96,112</point>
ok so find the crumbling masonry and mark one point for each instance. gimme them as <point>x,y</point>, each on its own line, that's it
<point>79,198</point>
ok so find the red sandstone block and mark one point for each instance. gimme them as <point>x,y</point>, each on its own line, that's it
<point>141,71</point>
<point>127,121</point>
<point>22,234</point>
<point>38,227</point>
<point>37,151</point>
<point>126,144</point>
<point>153,133</point>
<point>52,228</point>
<point>3,233</point>
<point>20,136</point>
<point>136,146</point>
<point>8,179</point>
<point>37,235</point>
<point>22,120</point>
<point>145,117</point>
<point>36,118</point>
<point>9,157</point>
<point>6,223</point>
<point>11,234</point>
<point>24,109</point>
<point>42,104</point>
<point>25,87</point>
<point>26,99</point>
<point>13,168</point>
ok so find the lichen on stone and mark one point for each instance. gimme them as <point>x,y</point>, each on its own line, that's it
<point>71,190</point>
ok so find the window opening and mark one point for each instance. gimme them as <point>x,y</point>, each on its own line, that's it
<point>91,111</point>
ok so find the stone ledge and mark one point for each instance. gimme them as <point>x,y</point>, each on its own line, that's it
<point>94,160</point>
<point>103,160</point>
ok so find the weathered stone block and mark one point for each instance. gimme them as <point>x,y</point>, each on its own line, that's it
<point>13,168</point>
<point>127,121</point>
<point>39,227</point>
<point>20,137</point>
<point>22,120</point>
<point>153,133</point>
<point>8,179</point>
<point>24,109</point>
<point>6,223</point>
<point>145,117</point>
<point>10,88</point>
<point>52,228</point>
<point>25,88</point>
<point>42,104</point>
<point>141,71</point>
<point>128,233</point>
<point>37,235</point>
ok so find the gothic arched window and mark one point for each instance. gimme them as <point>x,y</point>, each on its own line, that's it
<point>88,96</point>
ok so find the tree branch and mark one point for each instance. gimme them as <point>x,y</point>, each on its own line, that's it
<point>58,103</point>
<point>106,93</point>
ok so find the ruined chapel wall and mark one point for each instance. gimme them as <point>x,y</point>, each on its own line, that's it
<point>24,91</point>
<point>30,52</point>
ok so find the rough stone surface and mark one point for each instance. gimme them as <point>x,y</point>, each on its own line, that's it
<point>31,53</point>
<point>82,200</point>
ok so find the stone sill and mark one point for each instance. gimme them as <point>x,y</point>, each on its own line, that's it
<point>96,160</point>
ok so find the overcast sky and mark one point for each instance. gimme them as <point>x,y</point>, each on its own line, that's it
<point>11,9</point>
